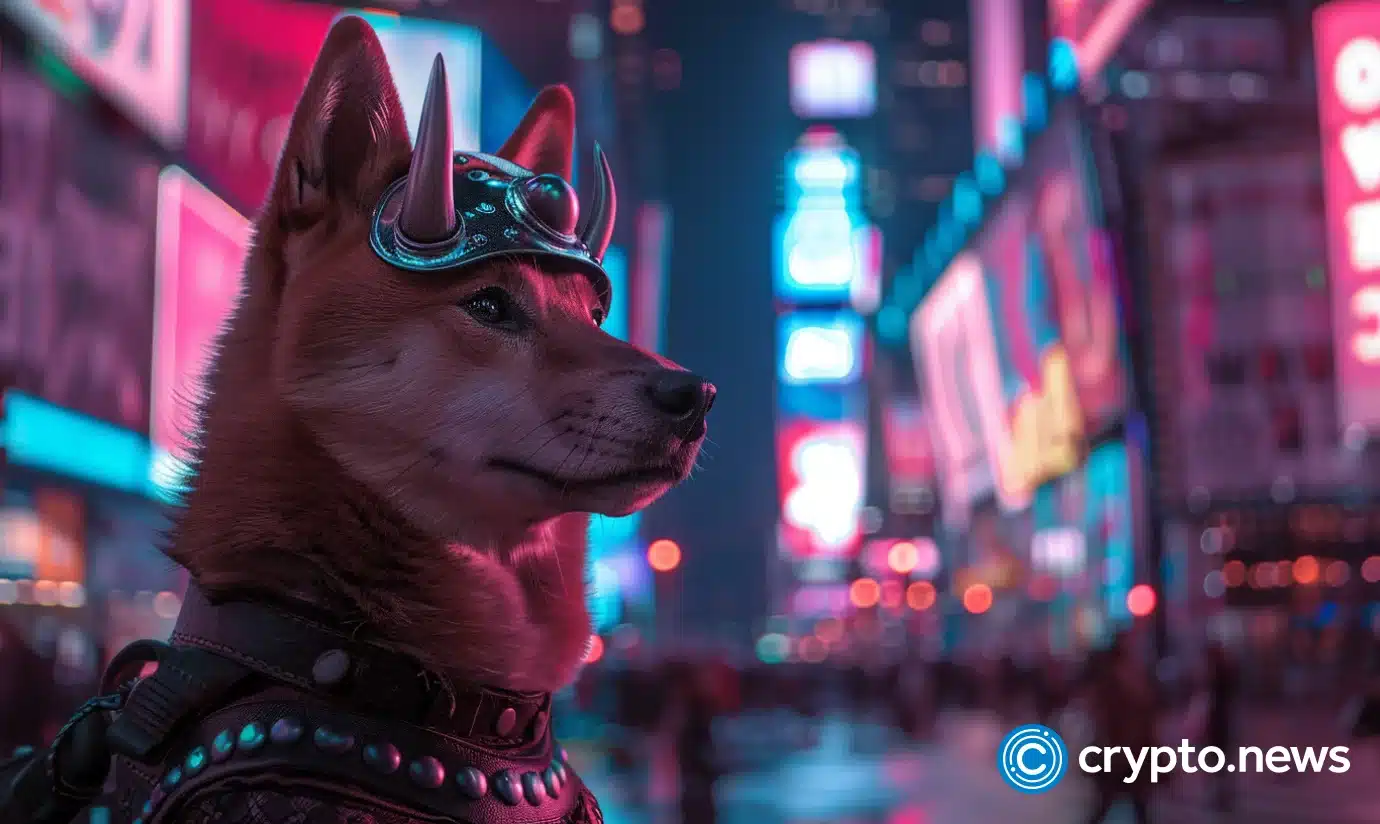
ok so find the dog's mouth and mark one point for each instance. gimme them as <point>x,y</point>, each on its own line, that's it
<point>641,476</point>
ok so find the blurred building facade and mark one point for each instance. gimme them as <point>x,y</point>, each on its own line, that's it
<point>154,156</point>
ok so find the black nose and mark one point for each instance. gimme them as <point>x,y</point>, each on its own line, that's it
<point>679,395</point>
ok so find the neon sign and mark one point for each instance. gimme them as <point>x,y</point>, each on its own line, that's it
<point>952,334</point>
<point>1348,53</point>
<point>135,51</point>
<point>821,472</point>
<point>827,251</point>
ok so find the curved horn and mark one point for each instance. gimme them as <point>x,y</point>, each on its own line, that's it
<point>598,231</point>
<point>428,208</point>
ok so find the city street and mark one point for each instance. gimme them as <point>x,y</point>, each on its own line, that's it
<point>954,781</point>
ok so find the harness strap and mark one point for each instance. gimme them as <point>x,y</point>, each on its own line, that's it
<point>187,683</point>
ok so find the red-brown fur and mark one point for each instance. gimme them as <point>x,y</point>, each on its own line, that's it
<point>347,410</point>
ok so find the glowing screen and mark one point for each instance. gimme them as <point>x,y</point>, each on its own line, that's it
<point>201,247</point>
<point>833,78</point>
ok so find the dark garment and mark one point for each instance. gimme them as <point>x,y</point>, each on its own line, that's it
<point>258,715</point>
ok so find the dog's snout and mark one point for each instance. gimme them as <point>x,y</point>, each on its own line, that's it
<point>679,395</point>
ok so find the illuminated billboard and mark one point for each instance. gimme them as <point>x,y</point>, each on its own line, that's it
<point>1050,270</point>
<point>1347,38</point>
<point>133,50</point>
<point>76,325</point>
<point>243,87</point>
<point>826,251</point>
<point>202,243</point>
<point>955,350</point>
<point>820,347</point>
<point>833,79</point>
<point>821,471</point>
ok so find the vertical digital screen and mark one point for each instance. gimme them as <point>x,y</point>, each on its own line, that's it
<point>1348,53</point>
<point>134,50</point>
<point>202,243</point>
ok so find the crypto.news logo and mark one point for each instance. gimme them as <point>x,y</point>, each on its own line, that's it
<point>1032,759</point>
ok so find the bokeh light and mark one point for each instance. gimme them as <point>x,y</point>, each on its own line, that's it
<point>663,555</point>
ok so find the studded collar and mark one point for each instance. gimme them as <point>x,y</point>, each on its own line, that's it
<point>288,646</point>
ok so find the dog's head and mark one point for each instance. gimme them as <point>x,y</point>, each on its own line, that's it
<point>463,377</point>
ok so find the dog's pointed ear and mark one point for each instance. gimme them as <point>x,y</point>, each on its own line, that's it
<point>545,139</point>
<point>348,136</point>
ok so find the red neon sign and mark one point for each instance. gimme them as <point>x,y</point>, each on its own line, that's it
<point>1347,39</point>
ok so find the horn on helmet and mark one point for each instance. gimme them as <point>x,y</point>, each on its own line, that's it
<point>428,207</point>
<point>598,229</point>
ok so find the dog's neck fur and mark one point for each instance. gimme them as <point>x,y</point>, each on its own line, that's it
<point>272,515</point>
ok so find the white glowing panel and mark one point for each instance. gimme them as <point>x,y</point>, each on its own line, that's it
<point>820,347</point>
<point>833,78</point>
<point>822,495</point>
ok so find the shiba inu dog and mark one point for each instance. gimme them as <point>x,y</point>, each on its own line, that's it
<point>401,442</point>
<point>411,398</point>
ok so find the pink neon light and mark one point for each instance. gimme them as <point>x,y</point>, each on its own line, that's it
<point>1095,28</point>
<point>1347,45</point>
<point>952,331</point>
<point>201,247</point>
<point>998,64</point>
<point>647,285</point>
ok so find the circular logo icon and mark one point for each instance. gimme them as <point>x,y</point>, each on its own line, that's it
<point>1032,758</point>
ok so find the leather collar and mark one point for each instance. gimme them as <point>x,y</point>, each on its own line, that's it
<point>287,646</point>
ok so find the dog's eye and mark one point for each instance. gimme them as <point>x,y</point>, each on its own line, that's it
<point>493,307</point>
<point>598,315</point>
